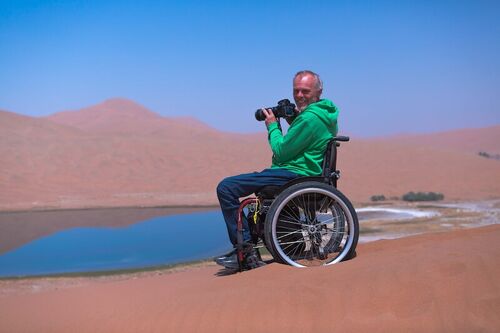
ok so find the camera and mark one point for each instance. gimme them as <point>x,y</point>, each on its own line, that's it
<point>284,109</point>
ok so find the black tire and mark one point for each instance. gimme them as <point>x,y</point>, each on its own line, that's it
<point>311,224</point>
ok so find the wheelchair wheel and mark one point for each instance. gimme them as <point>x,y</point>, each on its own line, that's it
<point>311,224</point>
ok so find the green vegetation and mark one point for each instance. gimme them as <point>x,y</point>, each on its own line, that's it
<point>484,154</point>
<point>379,197</point>
<point>423,196</point>
<point>487,155</point>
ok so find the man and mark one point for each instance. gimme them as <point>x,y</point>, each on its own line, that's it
<point>298,153</point>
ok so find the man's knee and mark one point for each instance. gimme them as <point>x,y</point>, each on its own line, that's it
<point>223,187</point>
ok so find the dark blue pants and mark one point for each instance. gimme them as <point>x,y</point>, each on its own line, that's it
<point>232,188</point>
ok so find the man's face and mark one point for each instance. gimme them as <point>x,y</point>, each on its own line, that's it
<point>305,91</point>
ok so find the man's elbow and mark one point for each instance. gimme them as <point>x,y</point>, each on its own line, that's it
<point>281,156</point>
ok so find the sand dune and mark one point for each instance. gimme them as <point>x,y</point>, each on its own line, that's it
<point>124,116</point>
<point>118,153</point>
<point>471,140</point>
<point>393,169</point>
<point>444,282</point>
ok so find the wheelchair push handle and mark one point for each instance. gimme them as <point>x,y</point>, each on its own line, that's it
<point>341,138</point>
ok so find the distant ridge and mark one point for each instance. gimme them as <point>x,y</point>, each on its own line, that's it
<point>13,125</point>
<point>121,115</point>
<point>119,153</point>
<point>471,140</point>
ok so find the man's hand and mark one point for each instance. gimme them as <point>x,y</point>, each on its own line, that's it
<point>270,118</point>
<point>290,120</point>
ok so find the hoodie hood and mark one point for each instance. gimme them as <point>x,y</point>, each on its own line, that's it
<point>327,112</point>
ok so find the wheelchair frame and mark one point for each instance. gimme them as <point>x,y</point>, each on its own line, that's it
<point>261,227</point>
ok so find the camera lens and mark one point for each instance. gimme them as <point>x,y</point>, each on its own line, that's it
<point>259,115</point>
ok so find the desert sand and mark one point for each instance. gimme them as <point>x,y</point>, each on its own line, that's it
<point>120,154</point>
<point>441,282</point>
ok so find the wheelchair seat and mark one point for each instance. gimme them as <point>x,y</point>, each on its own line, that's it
<point>271,191</point>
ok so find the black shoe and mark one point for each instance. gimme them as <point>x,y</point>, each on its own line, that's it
<point>230,262</point>
<point>253,260</point>
<point>221,258</point>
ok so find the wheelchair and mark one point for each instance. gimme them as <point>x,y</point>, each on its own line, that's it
<point>306,222</point>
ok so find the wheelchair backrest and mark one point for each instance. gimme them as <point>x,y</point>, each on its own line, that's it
<point>330,173</point>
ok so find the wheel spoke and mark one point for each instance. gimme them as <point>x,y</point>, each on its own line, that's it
<point>285,227</point>
<point>291,213</point>
<point>292,222</point>
<point>291,243</point>
<point>288,233</point>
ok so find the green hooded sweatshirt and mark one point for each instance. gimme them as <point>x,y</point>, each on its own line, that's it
<point>303,147</point>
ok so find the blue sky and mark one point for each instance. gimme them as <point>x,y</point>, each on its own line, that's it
<point>391,66</point>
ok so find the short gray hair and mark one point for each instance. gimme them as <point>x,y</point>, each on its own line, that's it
<point>319,83</point>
